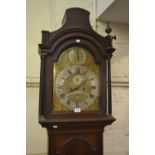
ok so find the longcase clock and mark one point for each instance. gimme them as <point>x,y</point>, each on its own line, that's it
<point>75,86</point>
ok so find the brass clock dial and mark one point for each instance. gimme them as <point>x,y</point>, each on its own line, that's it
<point>76,87</point>
<point>76,81</point>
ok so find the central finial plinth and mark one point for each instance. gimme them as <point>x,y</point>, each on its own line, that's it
<point>74,15</point>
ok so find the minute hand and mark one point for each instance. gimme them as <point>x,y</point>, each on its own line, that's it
<point>76,88</point>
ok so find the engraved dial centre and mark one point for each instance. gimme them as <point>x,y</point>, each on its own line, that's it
<point>76,89</point>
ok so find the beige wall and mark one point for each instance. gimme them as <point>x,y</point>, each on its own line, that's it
<point>36,135</point>
<point>47,15</point>
<point>37,20</point>
<point>116,136</point>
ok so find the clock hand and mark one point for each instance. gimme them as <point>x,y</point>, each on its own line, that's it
<point>78,69</point>
<point>77,55</point>
<point>77,105</point>
<point>76,88</point>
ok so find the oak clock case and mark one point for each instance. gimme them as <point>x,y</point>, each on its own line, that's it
<point>75,102</point>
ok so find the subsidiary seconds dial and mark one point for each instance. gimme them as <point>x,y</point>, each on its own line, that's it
<point>76,87</point>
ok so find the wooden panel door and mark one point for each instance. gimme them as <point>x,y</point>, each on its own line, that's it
<point>77,146</point>
<point>75,143</point>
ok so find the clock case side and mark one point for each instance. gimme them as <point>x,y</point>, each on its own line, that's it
<point>76,26</point>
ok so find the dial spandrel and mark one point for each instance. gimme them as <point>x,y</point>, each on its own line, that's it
<point>76,82</point>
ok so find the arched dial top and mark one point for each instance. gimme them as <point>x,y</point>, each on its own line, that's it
<point>76,84</point>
